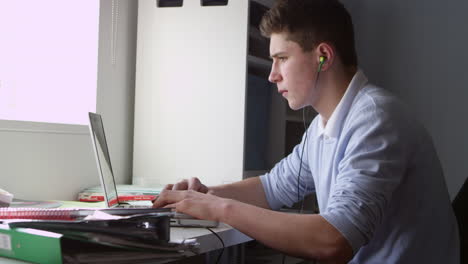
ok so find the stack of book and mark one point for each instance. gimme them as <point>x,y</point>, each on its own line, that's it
<point>126,193</point>
<point>51,236</point>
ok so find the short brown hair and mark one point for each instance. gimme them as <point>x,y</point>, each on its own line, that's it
<point>311,22</point>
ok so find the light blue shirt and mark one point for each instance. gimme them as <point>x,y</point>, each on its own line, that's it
<point>377,178</point>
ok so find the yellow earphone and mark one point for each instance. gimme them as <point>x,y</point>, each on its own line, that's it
<point>322,60</point>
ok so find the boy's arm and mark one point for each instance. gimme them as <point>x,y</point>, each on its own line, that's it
<point>248,191</point>
<point>307,236</point>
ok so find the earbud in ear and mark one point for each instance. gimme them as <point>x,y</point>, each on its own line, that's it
<point>322,60</point>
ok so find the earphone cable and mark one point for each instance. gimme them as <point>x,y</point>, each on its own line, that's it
<point>302,154</point>
<point>300,166</point>
<point>305,141</point>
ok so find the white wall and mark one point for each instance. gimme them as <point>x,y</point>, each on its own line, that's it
<point>116,85</point>
<point>417,49</point>
<point>57,165</point>
<point>190,92</point>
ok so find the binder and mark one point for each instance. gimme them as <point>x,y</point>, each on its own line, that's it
<point>147,227</point>
<point>139,237</point>
<point>30,245</point>
<point>44,247</point>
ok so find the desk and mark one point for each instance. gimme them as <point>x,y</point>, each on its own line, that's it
<point>208,241</point>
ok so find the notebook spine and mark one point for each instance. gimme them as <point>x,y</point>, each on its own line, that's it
<point>36,213</point>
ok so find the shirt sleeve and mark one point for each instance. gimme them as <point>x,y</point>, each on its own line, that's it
<point>281,183</point>
<point>376,148</point>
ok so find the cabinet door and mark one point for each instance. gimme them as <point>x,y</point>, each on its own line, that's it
<point>190,92</point>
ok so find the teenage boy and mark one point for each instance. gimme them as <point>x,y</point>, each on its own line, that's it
<point>378,180</point>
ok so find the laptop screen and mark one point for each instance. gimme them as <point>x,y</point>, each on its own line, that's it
<point>103,159</point>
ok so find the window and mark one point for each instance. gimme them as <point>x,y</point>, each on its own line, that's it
<point>48,60</point>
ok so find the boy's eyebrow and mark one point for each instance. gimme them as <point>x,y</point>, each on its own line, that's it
<point>278,54</point>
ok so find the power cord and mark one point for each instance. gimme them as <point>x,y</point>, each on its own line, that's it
<point>222,242</point>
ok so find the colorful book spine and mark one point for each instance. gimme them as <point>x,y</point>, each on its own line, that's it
<point>99,197</point>
<point>126,193</point>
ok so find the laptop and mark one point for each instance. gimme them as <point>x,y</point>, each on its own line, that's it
<point>109,187</point>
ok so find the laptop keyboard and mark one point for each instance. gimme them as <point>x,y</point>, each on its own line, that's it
<point>136,204</point>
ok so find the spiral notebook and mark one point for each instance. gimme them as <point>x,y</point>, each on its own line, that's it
<point>39,213</point>
<point>68,213</point>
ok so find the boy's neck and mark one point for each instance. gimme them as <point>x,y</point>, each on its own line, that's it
<point>335,83</point>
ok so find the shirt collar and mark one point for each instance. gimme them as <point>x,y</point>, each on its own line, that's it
<point>333,126</point>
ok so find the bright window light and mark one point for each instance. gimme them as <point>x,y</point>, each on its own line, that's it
<point>48,60</point>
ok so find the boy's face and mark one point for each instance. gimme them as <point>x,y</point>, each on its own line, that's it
<point>293,71</point>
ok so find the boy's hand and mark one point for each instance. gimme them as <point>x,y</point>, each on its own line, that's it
<point>193,184</point>
<point>196,204</point>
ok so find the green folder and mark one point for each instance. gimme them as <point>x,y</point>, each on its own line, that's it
<point>30,245</point>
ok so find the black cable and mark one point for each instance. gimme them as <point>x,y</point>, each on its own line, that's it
<point>222,242</point>
<point>305,190</point>
<point>302,152</point>
<point>300,166</point>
